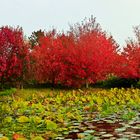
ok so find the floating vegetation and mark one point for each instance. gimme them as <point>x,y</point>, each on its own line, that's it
<point>46,114</point>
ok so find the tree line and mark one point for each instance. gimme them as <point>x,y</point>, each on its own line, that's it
<point>83,55</point>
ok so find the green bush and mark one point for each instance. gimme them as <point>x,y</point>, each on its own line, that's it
<point>113,82</point>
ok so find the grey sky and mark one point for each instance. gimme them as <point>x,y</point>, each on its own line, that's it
<point>115,16</point>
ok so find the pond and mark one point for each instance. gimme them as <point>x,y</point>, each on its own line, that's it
<point>112,127</point>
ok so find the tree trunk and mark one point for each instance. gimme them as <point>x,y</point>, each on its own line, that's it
<point>87,84</point>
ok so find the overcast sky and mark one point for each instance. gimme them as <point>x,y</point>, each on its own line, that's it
<point>115,16</point>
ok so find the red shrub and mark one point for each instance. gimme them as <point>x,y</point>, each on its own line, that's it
<point>13,55</point>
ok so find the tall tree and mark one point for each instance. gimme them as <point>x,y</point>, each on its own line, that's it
<point>13,55</point>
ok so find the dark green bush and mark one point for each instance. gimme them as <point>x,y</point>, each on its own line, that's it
<point>113,82</point>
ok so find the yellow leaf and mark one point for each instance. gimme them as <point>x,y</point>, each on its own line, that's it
<point>61,94</point>
<point>23,119</point>
<point>4,138</point>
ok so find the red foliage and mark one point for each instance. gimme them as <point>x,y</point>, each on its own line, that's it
<point>90,59</point>
<point>13,55</point>
<point>131,61</point>
<point>47,57</point>
<point>83,56</point>
<point>17,136</point>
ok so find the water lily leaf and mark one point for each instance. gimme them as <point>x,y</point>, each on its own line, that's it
<point>38,138</point>
<point>66,132</point>
<point>7,119</point>
<point>112,102</point>
<point>4,138</point>
<point>1,135</point>
<point>120,129</point>
<point>89,137</point>
<point>35,119</point>
<point>59,138</point>
<point>80,135</point>
<point>75,131</point>
<point>89,131</point>
<point>107,135</point>
<point>50,125</point>
<point>23,119</point>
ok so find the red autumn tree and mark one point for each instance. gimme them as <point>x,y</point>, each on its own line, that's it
<point>82,56</point>
<point>129,60</point>
<point>47,56</point>
<point>90,57</point>
<point>13,55</point>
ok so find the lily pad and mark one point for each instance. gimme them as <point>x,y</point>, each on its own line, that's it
<point>120,129</point>
<point>1,135</point>
<point>59,138</point>
<point>107,135</point>
<point>89,131</point>
<point>75,131</point>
